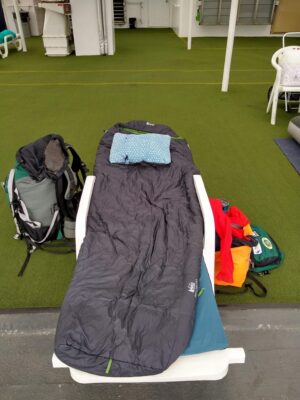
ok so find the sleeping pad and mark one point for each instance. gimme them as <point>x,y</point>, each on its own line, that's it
<point>129,310</point>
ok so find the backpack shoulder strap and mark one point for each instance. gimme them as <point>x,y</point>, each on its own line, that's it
<point>65,194</point>
<point>12,196</point>
<point>77,164</point>
<point>252,280</point>
<point>71,183</point>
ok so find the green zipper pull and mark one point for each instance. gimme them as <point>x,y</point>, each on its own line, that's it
<point>109,364</point>
<point>201,291</point>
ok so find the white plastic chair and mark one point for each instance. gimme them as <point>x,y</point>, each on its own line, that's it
<point>286,61</point>
<point>10,39</point>
<point>209,366</point>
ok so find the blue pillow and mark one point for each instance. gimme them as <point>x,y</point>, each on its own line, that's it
<point>208,333</point>
<point>5,33</point>
<point>132,149</point>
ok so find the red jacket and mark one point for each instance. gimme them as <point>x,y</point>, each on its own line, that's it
<point>227,224</point>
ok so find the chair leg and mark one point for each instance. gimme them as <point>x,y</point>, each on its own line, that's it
<point>5,54</point>
<point>286,101</point>
<point>18,44</point>
<point>270,99</point>
<point>274,105</point>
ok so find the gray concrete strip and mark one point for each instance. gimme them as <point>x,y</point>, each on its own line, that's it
<point>18,332</point>
<point>270,336</point>
<point>31,321</point>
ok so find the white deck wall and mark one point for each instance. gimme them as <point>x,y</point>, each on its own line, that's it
<point>36,15</point>
<point>149,13</point>
<point>180,24</point>
<point>152,13</point>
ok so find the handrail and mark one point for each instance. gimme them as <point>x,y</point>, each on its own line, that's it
<point>219,12</point>
<point>255,13</point>
<point>289,34</point>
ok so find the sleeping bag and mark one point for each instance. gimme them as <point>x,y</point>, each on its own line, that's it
<point>129,310</point>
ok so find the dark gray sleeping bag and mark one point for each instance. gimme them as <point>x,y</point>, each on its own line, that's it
<point>129,310</point>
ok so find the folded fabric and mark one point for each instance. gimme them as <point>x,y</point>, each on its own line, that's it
<point>208,333</point>
<point>5,33</point>
<point>133,149</point>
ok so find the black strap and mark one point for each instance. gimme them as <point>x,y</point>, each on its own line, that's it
<point>72,184</point>
<point>251,241</point>
<point>59,186</point>
<point>230,290</point>
<point>64,246</point>
<point>78,165</point>
<point>69,206</point>
<point>59,247</point>
<point>250,285</point>
<point>30,250</point>
<point>53,251</point>
<point>60,243</point>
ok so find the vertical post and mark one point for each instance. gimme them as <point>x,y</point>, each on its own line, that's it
<point>230,42</point>
<point>101,30</point>
<point>109,13</point>
<point>189,41</point>
<point>19,23</point>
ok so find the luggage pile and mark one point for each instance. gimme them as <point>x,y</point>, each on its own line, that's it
<point>243,251</point>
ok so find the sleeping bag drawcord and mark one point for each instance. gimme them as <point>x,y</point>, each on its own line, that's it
<point>109,364</point>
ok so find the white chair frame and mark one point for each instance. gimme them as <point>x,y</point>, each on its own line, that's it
<point>278,87</point>
<point>212,365</point>
<point>10,39</point>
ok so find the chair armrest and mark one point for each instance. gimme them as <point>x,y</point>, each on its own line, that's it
<point>209,227</point>
<point>274,60</point>
<point>10,37</point>
<point>84,205</point>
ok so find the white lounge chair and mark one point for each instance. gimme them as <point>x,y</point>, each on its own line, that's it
<point>207,366</point>
<point>10,40</point>
<point>286,61</point>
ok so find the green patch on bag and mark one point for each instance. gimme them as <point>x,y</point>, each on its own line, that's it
<point>266,255</point>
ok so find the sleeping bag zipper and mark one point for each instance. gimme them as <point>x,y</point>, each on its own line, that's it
<point>138,132</point>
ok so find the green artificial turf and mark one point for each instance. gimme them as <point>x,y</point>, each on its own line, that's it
<point>153,77</point>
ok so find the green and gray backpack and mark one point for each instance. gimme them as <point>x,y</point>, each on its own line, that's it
<point>44,190</point>
<point>266,255</point>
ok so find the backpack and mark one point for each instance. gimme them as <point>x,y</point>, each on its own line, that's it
<point>44,190</point>
<point>266,255</point>
<point>232,274</point>
<point>243,278</point>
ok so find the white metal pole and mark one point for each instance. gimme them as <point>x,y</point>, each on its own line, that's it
<point>19,23</point>
<point>109,13</point>
<point>189,41</point>
<point>230,42</point>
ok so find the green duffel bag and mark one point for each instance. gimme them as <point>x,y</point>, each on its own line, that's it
<point>266,255</point>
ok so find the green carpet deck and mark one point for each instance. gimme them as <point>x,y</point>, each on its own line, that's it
<point>153,77</point>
